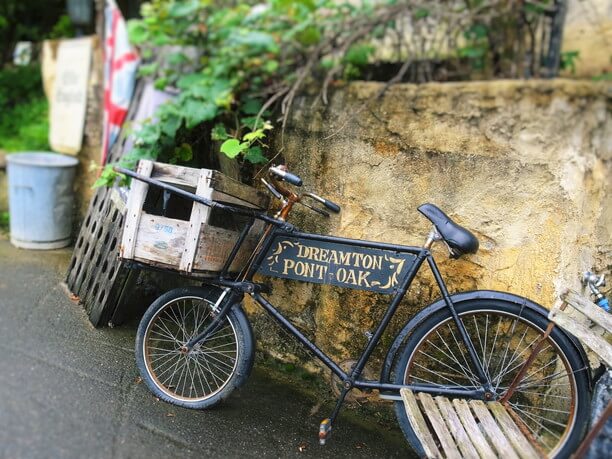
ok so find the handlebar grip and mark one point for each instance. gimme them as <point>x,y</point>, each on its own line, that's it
<point>286,176</point>
<point>331,206</point>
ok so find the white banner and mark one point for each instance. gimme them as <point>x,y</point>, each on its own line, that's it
<point>69,103</point>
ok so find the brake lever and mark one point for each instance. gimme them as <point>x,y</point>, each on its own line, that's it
<point>272,190</point>
<point>321,211</point>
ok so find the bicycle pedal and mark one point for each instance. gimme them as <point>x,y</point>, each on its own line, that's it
<point>324,430</point>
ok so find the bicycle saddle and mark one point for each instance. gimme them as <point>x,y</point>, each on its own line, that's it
<point>459,239</point>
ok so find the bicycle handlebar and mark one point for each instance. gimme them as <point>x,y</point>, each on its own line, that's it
<point>285,175</point>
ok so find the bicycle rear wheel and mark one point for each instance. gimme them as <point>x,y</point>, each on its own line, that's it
<point>213,369</point>
<point>552,399</point>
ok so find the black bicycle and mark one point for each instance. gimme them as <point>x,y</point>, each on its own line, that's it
<point>195,345</point>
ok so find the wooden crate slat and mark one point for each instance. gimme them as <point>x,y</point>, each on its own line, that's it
<point>418,424</point>
<point>596,343</point>
<point>473,430</point>
<point>204,247</point>
<point>177,175</point>
<point>160,239</point>
<point>456,428</point>
<point>589,309</point>
<point>492,430</point>
<point>227,185</point>
<point>215,246</point>
<point>199,214</point>
<point>521,444</point>
<point>446,440</point>
<point>136,198</point>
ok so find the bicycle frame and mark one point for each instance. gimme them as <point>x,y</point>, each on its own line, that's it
<point>278,227</point>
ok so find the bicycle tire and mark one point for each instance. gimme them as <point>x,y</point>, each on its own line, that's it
<point>518,323</point>
<point>213,370</point>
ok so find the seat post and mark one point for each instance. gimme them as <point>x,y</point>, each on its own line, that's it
<point>433,236</point>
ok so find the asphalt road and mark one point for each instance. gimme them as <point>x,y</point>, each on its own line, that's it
<point>68,390</point>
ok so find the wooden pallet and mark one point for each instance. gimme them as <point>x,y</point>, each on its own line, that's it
<point>465,428</point>
<point>577,316</point>
<point>580,316</point>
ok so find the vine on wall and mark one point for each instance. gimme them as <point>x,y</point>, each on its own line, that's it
<point>238,66</point>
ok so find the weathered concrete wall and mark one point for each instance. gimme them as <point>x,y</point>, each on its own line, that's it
<point>525,165</point>
<point>588,30</point>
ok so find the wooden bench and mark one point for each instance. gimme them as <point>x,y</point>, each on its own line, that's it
<point>465,428</point>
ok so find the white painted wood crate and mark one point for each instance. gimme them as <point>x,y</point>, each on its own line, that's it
<point>199,244</point>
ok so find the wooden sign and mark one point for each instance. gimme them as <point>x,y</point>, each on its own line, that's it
<point>69,100</point>
<point>336,264</point>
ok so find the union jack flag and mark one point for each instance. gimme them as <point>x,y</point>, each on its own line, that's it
<point>120,65</point>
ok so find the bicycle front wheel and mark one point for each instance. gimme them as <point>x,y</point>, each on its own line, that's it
<point>213,369</point>
<point>552,399</point>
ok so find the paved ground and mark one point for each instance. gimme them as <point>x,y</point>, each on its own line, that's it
<point>68,390</point>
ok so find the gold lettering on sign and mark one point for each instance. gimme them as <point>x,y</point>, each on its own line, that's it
<point>329,265</point>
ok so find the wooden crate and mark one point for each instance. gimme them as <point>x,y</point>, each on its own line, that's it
<point>201,239</point>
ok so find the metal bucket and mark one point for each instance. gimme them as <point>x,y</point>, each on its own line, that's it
<point>41,199</point>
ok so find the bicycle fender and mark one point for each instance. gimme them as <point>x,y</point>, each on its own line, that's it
<point>458,298</point>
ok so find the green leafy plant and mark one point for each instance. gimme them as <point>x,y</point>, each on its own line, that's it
<point>568,61</point>
<point>24,120</point>
<point>238,66</point>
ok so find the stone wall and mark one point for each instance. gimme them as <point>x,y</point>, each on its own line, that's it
<point>588,30</point>
<point>524,165</point>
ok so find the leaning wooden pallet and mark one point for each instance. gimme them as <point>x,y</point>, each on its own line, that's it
<point>578,315</point>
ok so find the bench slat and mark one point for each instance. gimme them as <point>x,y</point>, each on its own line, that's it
<point>432,413</point>
<point>589,309</point>
<point>418,424</point>
<point>456,428</point>
<point>473,430</point>
<point>597,343</point>
<point>521,444</point>
<point>492,430</point>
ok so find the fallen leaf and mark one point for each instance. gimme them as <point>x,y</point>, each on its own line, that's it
<point>170,415</point>
<point>302,446</point>
<point>315,408</point>
<point>74,298</point>
<point>360,445</point>
<point>138,380</point>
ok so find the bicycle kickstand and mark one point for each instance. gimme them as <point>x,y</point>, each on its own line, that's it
<point>325,427</point>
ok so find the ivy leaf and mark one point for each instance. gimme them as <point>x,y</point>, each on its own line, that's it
<point>233,147</point>
<point>358,55</point>
<point>250,107</point>
<point>161,83</point>
<point>189,80</point>
<point>255,135</point>
<point>148,134</point>
<point>421,13</point>
<point>170,125</point>
<point>137,31</point>
<point>271,66</point>
<point>147,70</point>
<point>177,59</point>
<point>256,39</point>
<point>107,177</point>
<point>183,153</point>
<point>309,36</point>
<point>219,133</point>
<point>254,155</point>
<point>196,112</point>
<point>183,8</point>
